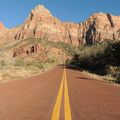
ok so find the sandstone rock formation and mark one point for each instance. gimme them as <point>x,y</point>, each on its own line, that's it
<point>3,32</point>
<point>27,50</point>
<point>102,27</point>
<point>42,24</point>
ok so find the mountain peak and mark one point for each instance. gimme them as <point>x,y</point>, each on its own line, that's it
<point>40,9</point>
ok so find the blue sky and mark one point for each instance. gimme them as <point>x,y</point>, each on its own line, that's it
<point>14,12</point>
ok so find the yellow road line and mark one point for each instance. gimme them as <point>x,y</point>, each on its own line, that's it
<point>67,101</point>
<point>56,110</point>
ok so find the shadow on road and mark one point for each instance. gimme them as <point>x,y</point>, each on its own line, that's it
<point>80,76</point>
<point>87,78</point>
<point>73,67</point>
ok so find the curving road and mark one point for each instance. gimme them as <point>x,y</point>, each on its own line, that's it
<point>59,94</point>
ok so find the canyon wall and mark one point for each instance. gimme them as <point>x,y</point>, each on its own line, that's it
<point>42,24</point>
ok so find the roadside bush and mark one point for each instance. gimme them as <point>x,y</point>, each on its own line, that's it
<point>102,58</point>
<point>19,62</point>
<point>113,70</point>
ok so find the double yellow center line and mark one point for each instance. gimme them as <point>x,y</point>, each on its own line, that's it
<point>57,107</point>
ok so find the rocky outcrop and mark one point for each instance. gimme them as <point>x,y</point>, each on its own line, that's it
<point>100,27</point>
<point>3,32</point>
<point>23,51</point>
<point>42,24</point>
<point>110,20</point>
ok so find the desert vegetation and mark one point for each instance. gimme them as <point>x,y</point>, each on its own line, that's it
<point>23,66</point>
<point>102,59</point>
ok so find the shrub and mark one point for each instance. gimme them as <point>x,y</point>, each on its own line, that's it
<point>95,58</point>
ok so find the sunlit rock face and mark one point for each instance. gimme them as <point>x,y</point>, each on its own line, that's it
<point>42,24</point>
<point>102,27</point>
<point>3,32</point>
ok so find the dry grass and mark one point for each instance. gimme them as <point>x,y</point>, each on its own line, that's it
<point>19,67</point>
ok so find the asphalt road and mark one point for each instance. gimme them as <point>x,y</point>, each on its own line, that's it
<point>59,94</point>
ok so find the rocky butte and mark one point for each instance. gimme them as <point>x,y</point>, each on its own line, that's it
<point>42,24</point>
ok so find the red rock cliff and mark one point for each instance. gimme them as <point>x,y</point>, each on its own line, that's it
<point>42,24</point>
